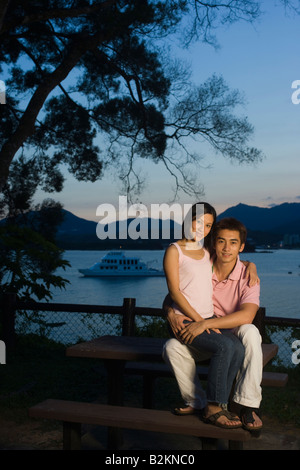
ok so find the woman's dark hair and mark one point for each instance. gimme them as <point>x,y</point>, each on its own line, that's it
<point>191,216</point>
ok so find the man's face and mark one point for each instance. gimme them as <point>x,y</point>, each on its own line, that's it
<point>228,245</point>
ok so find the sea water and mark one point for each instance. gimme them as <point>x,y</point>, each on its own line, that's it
<point>279,273</point>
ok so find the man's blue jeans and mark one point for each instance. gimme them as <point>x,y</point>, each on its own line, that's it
<point>226,359</point>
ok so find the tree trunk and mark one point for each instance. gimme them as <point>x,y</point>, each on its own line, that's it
<point>3,9</point>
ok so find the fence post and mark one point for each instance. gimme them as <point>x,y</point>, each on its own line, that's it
<point>8,319</point>
<point>128,317</point>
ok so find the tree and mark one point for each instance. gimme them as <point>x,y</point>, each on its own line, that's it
<point>90,86</point>
<point>29,257</point>
<point>28,263</point>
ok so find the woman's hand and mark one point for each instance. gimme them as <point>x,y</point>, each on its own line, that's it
<point>252,274</point>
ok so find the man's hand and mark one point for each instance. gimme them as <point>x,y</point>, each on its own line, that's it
<point>189,333</point>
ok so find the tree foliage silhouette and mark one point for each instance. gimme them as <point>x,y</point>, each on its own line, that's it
<point>91,85</point>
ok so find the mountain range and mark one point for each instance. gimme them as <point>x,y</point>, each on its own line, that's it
<point>281,219</point>
<point>266,226</point>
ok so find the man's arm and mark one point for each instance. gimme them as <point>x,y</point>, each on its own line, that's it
<point>167,304</point>
<point>243,316</point>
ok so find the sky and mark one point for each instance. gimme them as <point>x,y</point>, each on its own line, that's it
<point>261,61</point>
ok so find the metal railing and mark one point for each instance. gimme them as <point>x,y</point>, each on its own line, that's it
<point>69,323</point>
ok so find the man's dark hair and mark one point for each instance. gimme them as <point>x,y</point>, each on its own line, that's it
<point>229,223</point>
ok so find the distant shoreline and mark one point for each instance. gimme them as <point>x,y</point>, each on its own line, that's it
<point>142,248</point>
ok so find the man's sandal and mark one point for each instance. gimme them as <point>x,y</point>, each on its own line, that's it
<point>247,417</point>
<point>213,419</point>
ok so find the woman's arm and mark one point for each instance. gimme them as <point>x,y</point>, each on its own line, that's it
<point>171,268</point>
<point>176,322</point>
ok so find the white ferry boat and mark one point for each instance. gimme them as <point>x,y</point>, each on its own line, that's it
<point>115,263</point>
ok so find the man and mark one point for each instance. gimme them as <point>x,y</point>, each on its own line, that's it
<point>235,306</point>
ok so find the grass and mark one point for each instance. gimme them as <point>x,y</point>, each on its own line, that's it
<point>38,369</point>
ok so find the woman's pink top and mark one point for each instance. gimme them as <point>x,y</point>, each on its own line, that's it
<point>195,283</point>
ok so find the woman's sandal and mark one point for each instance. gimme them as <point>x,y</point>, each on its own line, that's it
<point>186,412</point>
<point>212,419</point>
<point>247,417</point>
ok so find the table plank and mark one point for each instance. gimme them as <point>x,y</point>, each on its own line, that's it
<point>269,351</point>
<point>134,348</point>
<point>127,348</point>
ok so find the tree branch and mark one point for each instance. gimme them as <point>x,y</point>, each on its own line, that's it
<point>26,125</point>
<point>55,13</point>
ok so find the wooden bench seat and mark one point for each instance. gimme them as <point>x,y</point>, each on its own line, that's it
<point>73,414</point>
<point>269,379</point>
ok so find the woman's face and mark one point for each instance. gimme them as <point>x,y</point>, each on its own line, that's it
<point>202,226</point>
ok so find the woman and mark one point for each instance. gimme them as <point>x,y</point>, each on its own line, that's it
<point>188,270</point>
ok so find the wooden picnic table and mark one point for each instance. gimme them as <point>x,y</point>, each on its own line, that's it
<point>116,351</point>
